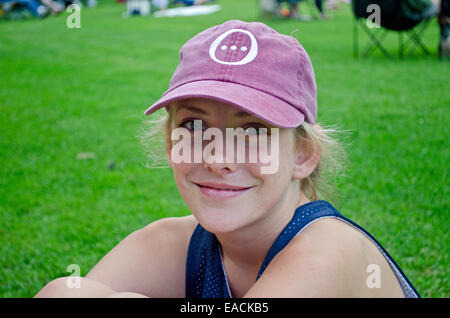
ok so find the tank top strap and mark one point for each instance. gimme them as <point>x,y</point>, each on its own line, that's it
<point>303,215</point>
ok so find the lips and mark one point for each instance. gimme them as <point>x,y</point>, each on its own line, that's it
<point>221,186</point>
<point>219,191</point>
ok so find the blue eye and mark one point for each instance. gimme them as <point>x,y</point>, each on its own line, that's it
<point>193,124</point>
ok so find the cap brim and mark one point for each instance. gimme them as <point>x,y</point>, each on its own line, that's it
<point>257,103</point>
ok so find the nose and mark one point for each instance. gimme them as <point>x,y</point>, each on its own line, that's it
<point>217,162</point>
<point>220,168</point>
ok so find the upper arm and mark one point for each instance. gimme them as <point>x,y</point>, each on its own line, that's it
<point>150,261</point>
<point>319,262</point>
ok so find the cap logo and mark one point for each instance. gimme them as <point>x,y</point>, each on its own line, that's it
<point>251,47</point>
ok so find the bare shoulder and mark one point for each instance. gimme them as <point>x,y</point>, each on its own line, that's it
<point>176,229</point>
<point>329,258</point>
<point>150,261</point>
<point>171,235</point>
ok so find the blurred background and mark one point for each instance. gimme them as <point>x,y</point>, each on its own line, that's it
<point>75,81</point>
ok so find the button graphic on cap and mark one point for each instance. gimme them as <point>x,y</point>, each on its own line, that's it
<point>244,54</point>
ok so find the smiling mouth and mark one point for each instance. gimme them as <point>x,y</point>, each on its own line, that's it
<point>221,191</point>
<point>222,187</point>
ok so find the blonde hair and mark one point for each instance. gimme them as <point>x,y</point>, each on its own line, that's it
<point>320,184</point>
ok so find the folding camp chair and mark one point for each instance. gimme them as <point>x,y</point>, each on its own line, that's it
<point>392,17</point>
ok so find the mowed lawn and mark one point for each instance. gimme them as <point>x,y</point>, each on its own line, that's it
<point>69,91</point>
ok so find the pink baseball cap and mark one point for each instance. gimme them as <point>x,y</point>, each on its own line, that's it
<point>250,66</point>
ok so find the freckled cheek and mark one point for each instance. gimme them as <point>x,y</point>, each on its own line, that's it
<point>183,168</point>
<point>181,173</point>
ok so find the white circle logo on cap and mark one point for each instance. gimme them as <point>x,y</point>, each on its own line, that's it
<point>252,51</point>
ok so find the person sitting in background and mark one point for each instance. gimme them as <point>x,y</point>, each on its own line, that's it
<point>33,6</point>
<point>37,8</point>
<point>54,6</point>
<point>293,9</point>
<point>444,25</point>
<point>420,9</point>
<point>319,5</point>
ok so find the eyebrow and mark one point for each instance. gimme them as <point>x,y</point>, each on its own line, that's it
<point>239,114</point>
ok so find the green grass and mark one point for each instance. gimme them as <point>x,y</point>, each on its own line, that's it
<point>66,91</point>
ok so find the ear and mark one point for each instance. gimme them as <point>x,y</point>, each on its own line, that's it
<point>307,157</point>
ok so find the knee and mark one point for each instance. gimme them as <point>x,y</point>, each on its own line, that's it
<point>52,288</point>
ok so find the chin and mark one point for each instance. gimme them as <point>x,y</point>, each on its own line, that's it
<point>220,221</point>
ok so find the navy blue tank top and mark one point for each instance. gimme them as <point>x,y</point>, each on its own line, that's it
<point>205,273</point>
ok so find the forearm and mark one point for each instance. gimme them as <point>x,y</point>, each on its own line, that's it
<point>126,295</point>
<point>87,288</point>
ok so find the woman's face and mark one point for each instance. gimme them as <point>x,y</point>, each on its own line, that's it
<point>225,196</point>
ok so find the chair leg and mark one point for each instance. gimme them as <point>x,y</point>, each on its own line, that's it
<point>355,39</point>
<point>400,44</point>
<point>415,38</point>
<point>408,46</point>
<point>419,42</point>
<point>377,42</point>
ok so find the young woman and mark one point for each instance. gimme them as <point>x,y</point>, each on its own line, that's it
<point>253,232</point>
